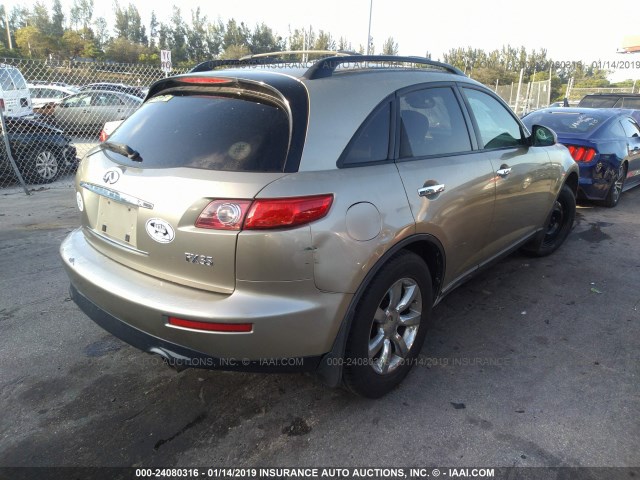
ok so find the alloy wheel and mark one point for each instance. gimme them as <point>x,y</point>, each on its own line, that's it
<point>395,325</point>
<point>46,165</point>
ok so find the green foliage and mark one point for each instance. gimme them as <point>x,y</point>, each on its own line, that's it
<point>129,24</point>
<point>123,50</point>
<point>235,51</point>
<point>39,32</point>
<point>390,47</point>
<point>263,40</point>
<point>33,42</point>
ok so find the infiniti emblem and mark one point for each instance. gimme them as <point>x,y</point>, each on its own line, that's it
<point>111,176</point>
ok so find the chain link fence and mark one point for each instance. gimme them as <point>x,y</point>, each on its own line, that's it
<point>72,101</point>
<point>525,97</point>
<point>54,112</point>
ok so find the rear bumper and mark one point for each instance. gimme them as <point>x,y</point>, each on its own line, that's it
<point>596,179</point>
<point>291,320</point>
<point>182,357</point>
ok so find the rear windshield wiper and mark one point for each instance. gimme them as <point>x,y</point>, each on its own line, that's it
<point>123,149</point>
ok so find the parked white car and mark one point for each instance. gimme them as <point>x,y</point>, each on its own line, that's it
<point>42,95</point>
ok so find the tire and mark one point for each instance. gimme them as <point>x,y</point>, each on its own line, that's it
<point>557,227</point>
<point>385,338</point>
<point>44,167</point>
<point>615,191</point>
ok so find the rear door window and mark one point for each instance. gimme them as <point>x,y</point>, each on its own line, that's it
<point>211,132</point>
<point>79,101</point>
<point>106,100</point>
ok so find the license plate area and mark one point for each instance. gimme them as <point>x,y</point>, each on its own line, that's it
<point>117,221</point>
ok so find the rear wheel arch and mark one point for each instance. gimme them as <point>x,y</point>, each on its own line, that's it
<point>572,182</point>
<point>430,250</point>
<point>617,185</point>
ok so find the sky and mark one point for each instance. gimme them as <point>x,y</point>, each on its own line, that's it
<point>569,30</point>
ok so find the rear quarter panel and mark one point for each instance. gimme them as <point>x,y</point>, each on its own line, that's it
<point>343,251</point>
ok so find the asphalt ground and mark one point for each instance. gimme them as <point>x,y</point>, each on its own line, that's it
<point>534,362</point>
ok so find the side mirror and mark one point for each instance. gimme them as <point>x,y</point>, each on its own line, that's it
<point>543,136</point>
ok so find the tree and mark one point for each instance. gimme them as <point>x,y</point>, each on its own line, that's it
<point>33,42</point>
<point>344,45</point>
<point>263,40</point>
<point>81,13</point>
<point>390,47</point>
<point>39,18</point>
<point>57,20</point>
<point>178,37</point>
<point>101,34</point>
<point>323,42</point>
<point>153,30</point>
<point>123,50</point>
<point>235,51</point>
<point>164,32</point>
<point>215,37</point>
<point>236,35</point>
<point>196,37</point>
<point>129,24</point>
<point>19,18</point>
<point>297,40</point>
<point>72,44</point>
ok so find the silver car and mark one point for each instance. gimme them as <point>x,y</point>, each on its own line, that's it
<point>89,111</point>
<point>280,218</point>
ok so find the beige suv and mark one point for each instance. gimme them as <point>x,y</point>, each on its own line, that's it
<point>282,218</point>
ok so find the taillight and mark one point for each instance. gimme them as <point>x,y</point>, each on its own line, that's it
<point>287,212</point>
<point>582,154</point>
<point>103,135</point>
<point>211,326</point>
<point>224,214</point>
<point>264,214</point>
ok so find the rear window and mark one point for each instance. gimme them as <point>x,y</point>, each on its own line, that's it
<point>598,102</point>
<point>566,122</point>
<point>207,132</point>
<point>18,79</point>
<point>5,80</point>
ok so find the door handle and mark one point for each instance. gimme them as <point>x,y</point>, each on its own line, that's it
<point>431,190</point>
<point>503,171</point>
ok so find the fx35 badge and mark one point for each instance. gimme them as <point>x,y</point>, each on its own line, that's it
<point>199,259</point>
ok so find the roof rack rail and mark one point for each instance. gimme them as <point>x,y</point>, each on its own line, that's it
<point>327,66</point>
<point>335,53</point>
<point>263,59</point>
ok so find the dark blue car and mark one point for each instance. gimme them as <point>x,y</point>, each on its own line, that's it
<point>604,142</point>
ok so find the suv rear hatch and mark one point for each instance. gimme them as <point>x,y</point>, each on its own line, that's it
<point>195,141</point>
